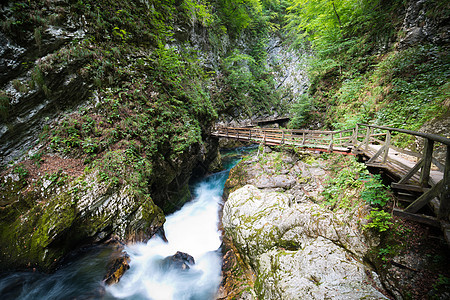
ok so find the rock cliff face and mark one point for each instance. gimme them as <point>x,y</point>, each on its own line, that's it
<point>32,95</point>
<point>84,170</point>
<point>298,249</point>
<point>422,23</point>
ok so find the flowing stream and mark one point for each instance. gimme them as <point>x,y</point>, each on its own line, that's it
<point>192,230</point>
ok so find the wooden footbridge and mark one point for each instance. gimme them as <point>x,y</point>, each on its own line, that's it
<point>419,178</point>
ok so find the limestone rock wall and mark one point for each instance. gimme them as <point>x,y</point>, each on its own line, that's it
<point>297,248</point>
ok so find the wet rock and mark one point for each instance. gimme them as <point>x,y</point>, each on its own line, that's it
<point>10,54</point>
<point>179,261</point>
<point>117,267</point>
<point>118,262</point>
<point>47,231</point>
<point>237,276</point>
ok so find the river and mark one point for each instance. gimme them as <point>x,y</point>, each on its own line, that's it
<point>193,230</point>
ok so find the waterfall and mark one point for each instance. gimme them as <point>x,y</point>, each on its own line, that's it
<point>192,230</point>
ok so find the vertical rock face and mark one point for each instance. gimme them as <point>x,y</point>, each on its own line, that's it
<point>28,105</point>
<point>290,67</point>
<point>425,21</point>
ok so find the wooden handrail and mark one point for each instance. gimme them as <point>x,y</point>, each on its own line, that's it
<point>361,140</point>
<point>434,137</point>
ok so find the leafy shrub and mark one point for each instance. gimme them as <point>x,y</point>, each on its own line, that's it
<point>301,111</point>
<point>21,171</point>
<point>379,220</point>
<point>374,192</point>
<point>341,190</point>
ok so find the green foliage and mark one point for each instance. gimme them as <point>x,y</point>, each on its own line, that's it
<point>238,15</point>
<point>301,111</point>
<point>246,85</point>
<point>379,220</point>
<point>21,171</point>
<point>197,11</point>
<point>245,82</point>
<point>161,112</point>
<point>333,26</point>
<point>442,283</point>
<point>38,37</point>
<point>19,86</point>
<point>418,79</point>
<point>375,192</point>
<point>356,74</point>
<point>58,178</point>
<point>350,183</point>
<point>37,77</point>
<point>341,190</point>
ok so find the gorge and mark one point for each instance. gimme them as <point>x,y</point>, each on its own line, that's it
<point>106,110</point>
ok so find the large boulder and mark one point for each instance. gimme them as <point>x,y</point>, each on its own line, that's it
<point>298,250</point>
<point>179,261</point>
<point>41,225</point>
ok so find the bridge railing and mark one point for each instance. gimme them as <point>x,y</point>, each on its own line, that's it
<point>424,163</point>
<point>376,141</point>
<point>327,140</point>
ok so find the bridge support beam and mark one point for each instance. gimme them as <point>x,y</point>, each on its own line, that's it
<point>444,208</point>
<point>425,198</point>
<point>411,172</point>
<point>427,158</point>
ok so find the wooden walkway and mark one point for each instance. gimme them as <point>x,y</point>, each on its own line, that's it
<point>419,179</point>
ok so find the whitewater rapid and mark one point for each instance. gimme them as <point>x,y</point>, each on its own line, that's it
<point>193,230</point>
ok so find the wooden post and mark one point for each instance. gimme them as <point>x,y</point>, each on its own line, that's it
<point>387,144</point>
<point>330,147</point>
<point>427,158</point>
<point>303,141</point>
<point>227,131</point>
<point>250,134</point>
<point>282,137</point>
<point>264,137</point>
<point>355,136</point>
<point>444,207</point>
<point>366,139</point>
